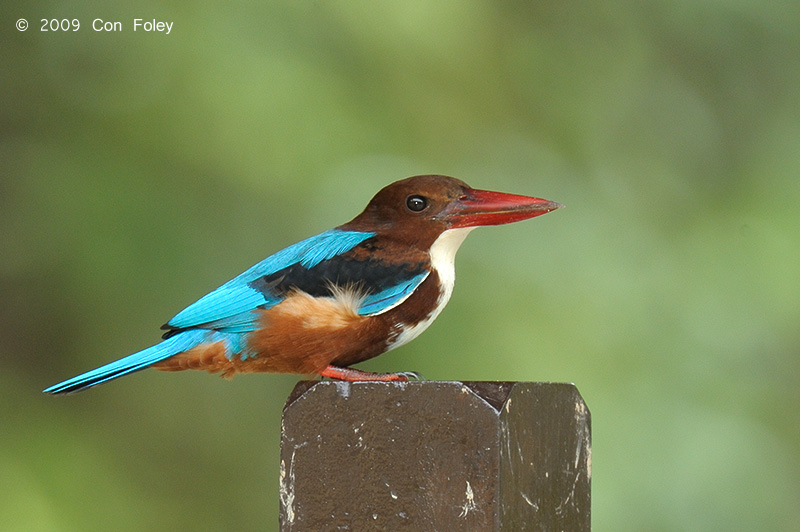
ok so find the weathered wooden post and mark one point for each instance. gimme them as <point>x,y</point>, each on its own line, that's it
<point>435,456</point>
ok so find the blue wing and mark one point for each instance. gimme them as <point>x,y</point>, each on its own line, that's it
<point>392,296</point>
<point>229,306</point>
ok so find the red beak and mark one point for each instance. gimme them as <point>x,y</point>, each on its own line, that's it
<point>484,207</point>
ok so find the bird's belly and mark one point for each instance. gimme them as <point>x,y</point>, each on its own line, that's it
<point>304,334</point>
<point>409,330</point>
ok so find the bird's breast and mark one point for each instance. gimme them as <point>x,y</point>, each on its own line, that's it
<point>432,299</point>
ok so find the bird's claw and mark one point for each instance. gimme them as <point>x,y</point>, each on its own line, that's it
<point>354,375</point>
<point>411,375</point>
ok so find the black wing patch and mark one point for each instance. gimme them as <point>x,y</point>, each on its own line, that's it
<point>370,276</point>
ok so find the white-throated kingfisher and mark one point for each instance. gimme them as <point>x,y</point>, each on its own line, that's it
<point>337,298</point>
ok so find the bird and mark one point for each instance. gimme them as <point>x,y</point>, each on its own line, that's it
<point>337,298</point>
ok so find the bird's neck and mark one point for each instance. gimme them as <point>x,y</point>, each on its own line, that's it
<point>443,255</point>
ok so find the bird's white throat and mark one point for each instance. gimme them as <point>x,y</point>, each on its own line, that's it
<point>443,257</point>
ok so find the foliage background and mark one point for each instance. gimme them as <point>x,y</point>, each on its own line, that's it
<point>140,170</point>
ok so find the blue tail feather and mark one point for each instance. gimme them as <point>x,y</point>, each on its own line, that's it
<point>135,362</point>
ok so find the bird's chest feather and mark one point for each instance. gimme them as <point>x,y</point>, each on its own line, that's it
<point>429,301</point>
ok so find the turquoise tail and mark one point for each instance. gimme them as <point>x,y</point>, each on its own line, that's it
<point>135,362</point>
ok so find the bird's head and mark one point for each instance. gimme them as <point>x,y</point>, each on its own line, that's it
<point>423,207</point>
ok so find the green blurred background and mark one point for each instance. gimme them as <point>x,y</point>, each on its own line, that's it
<point>141,170</point>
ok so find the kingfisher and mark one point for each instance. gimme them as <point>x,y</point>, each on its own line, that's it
<point>335,299</point>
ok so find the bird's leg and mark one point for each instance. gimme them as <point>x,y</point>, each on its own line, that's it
<point>350,374</point>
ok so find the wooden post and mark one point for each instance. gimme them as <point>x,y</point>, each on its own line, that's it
<point>435,456</point>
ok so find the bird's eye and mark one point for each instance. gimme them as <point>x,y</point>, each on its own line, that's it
<point>416,203</point>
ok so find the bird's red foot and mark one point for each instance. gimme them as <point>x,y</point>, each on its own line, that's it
<point>352,375</point>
